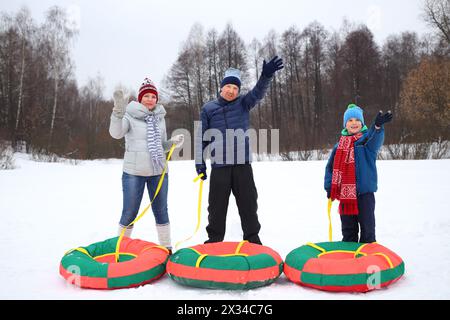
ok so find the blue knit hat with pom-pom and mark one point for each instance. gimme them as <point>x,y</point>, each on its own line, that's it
<point>353,111</point>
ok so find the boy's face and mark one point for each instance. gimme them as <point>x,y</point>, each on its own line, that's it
<point>229,92</point>
<point>353,126</point>
<point>149,100</point>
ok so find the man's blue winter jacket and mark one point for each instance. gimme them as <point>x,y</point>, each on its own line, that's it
<point>221,115</point>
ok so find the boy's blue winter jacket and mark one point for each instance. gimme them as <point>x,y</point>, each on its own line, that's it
<point>366,150</point>
<point>221,115</point>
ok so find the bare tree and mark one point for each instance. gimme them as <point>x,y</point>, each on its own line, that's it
<point>196,47</point>
<point>291,49</point>
<point>316,37</point>
<point>58,38</point>
<point>212,56</point>
<point>437,14</point>
<point>180,85</point>
<point>269,47</point>
<point>91,97</point>
<point>361,69</point>
<point>25,27</point>
<point>8,57</point>
<point>334,66</point>
<point>255,55</point>
<point>232,51</point>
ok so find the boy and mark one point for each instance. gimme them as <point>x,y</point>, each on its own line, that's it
<point>351,173</point>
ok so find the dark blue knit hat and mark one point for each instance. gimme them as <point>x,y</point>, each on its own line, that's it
<point>232,76</point>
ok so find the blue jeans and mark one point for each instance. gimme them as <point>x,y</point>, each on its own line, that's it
<point>133,190</point>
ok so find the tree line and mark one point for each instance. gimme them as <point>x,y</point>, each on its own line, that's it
<point>324,72</point>
<point>42,105</point>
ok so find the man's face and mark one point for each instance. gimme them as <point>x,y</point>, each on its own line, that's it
<point>229,92</point>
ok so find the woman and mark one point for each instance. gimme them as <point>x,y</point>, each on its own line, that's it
<point>143,126</point>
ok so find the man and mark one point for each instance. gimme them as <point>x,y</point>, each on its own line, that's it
<point>230,156</point>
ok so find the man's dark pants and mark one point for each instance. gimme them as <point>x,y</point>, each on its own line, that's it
<point>239,180</point>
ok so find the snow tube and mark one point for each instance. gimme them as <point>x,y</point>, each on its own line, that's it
<point>225,265</point>
<point>343,266</point>
<point>140,262</point>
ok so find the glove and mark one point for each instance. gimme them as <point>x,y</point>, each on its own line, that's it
<point>383,118</point>
<point>178,140</point>
<point>120,102</point>
<point>328,194</point>
<point>269,68</point>
<point>201,168</point>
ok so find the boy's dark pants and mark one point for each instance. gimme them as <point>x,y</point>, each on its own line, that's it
<point>365,218</point>
<point>239,180</point>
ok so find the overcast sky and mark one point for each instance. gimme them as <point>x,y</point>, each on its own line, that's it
<point>126,41</point>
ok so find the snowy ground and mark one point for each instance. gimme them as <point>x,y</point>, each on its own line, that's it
<point>48,208</point>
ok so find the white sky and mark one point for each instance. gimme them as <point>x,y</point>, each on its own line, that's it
<point>126,41</point>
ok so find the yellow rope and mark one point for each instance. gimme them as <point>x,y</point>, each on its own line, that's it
<point>235,254</point>
<point>110,254</point>
<point>315,246</point>
<point>359,250</point>
<point>82,250</point>
<point>199,260</point>
<point>240,246</point>
<point>199,210</point>
<point>341,251</point>
<point>386,257</point>
<point>203,256</point>
<point>161,180</point>
<point>157,247</point>
<point>330,225</point>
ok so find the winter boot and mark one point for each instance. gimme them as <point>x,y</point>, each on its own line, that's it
<point>127,231</point>
<point>164,236</point>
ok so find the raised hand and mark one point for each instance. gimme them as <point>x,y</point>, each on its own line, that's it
<point>269,68</point>
<point>383,118</point>
<point>120,102</point>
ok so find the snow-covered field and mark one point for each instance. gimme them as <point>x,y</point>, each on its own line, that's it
<point>48,208</point>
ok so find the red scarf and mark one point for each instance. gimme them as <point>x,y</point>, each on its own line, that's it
<point>343,183</point>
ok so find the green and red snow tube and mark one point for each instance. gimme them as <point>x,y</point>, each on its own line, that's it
<point>140,262</point>
<point>225,265</point>
<point>343,266</point>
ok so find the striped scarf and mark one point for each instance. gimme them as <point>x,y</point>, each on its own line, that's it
<point>154,141</point>
<point>343,183</point>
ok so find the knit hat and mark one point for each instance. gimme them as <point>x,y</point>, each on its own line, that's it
<point>232,76</point>
<point>353,111</point>
<point>147,87</point>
